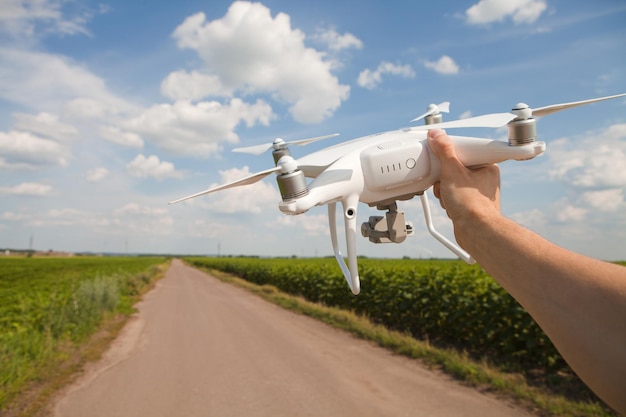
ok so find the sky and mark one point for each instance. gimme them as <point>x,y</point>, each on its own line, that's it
<point>111,109</point>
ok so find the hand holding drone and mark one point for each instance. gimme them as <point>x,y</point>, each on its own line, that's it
<point>384,168</point>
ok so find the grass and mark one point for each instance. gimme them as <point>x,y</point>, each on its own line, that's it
<point>480,374</point>
<point>58,313</point>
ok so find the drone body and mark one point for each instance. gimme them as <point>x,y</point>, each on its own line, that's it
<point>387,167</point>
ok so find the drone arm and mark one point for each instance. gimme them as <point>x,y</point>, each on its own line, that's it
<point>350,271</point>
<point>447,243</point>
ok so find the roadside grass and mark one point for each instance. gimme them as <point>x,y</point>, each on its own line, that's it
<point>58,314</point>
<point>479,374</point>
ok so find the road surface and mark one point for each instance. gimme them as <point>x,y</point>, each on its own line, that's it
<point>200,347</point>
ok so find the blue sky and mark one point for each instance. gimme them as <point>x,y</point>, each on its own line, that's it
<point>108,110</point>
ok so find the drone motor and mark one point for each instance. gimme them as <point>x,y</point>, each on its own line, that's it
<point>522,129</point>
<point>291,180</point>
<point>434,117</point>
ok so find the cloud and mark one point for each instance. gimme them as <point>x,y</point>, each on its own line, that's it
<point>27,188</point>
<point>250,52</point>
<point>46,125</point>
<point>23,150</point>
<point>43,81</point>
<point>444,65</point>
<point>116,135</point>
<point>610,200</point>
<point>336,42</point>
<point>569,213</point>
<point>193,86</point>
<point>152,167</point>
<point>520,11</point>
<point>594,161</point>
<point>371,79</point>
<point>137,219</point>
<point>26,19</point>
<point>197,129</point>
<point>96,174</point>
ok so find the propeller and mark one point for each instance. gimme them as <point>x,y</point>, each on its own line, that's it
<point>521,111</point>
<point>434,109</point>
<point>250,179</point>
<point>280,144</point>
<point>546,110</point>
<point>486,120</point>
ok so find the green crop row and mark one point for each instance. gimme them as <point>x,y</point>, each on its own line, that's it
<point>49,306</point>
<point>448,303</point>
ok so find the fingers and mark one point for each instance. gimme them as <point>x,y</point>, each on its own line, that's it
<point>441,144</point>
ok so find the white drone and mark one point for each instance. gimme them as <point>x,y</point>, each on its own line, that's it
<point>387,167</point>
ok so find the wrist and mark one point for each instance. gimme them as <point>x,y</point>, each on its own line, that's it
<point>474,227</point>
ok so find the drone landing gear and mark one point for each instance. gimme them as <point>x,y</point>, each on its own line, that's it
<point>351,270</point>
<point>448,244</point>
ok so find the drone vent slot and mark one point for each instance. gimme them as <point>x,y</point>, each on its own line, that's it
<point>391,168</point>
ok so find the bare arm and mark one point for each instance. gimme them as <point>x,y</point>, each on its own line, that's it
<point>579,302</point>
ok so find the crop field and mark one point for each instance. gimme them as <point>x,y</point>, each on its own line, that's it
<point>49,306</point>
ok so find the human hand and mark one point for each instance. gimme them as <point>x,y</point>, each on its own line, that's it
<point>468,195</point>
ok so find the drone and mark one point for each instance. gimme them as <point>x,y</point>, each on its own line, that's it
<point>383,168</point>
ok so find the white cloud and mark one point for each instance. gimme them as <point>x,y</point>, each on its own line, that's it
<point>308,224</point>
<point>605,200</point>
<point>520,11</point>
<point>371,79</point>
<point>25,19</point>
<point>253,53</point>
<point>42,81</point>
<point>152,167</point>
<point>116,135</point>
<point>46,125</point>
<point>146,220</point>
<point>193,86</point>
<point>27,188</point>
<point>335,41</point>
<point>444,65</point>
<point>197,129</point>
<point>571,213</point>
<point>83,108</point>
<point>96,174</point>
<point>595,161</point>
<point>65,217</point>
<point>23,150</point>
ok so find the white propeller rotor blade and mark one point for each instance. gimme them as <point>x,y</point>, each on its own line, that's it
<point>303,142</point>
<point>442,107</point>
<point>259,149</point>
<point>486,120</point>
<point>255,149</point>
<point>546,110</point>
<point>250,179</point>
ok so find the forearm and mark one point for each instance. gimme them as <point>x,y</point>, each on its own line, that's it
<point>578,301</point>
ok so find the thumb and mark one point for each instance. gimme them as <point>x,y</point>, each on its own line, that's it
<point>441,145</point>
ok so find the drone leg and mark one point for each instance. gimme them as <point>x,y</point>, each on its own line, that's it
<point>351,273</point>
<point>332,220</point>
<point>450,245</point>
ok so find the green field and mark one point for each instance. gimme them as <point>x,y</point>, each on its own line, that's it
<point>49,308</point>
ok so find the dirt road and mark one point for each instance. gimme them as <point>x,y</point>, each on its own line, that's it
<point>199,347</point>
